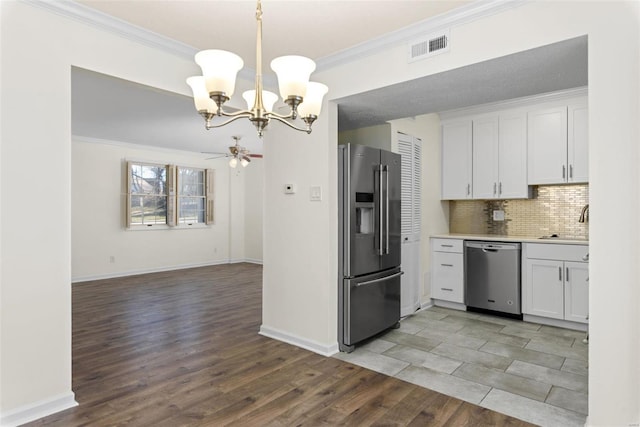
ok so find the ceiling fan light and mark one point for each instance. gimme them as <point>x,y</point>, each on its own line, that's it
<point>293,74</point>
<point>200,95</point>
<point>219,69</point>
<point>245,161</point>
<point>312,103</point>
<point>233,162</point>
<point>268,99</point>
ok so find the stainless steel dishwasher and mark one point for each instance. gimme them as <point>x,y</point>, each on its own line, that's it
<point>492,277</point>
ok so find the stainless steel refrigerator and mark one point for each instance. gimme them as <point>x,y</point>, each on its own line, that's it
<point>369,243</point>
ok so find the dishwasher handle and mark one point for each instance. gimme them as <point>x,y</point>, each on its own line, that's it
<point>493,247</point>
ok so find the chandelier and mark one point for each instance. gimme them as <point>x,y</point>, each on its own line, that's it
<point>217,84</point>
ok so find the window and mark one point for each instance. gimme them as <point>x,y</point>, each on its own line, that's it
<point>153,198</point>
<point>148,194</point>
<point>191,196</point>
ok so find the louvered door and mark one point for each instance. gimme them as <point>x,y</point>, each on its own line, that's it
<point>410,150</point>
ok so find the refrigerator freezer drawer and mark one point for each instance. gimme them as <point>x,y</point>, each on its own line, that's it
<point>372,304</point>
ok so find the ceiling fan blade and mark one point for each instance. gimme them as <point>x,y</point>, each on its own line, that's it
<point>257,156</point>
<point>214,155</point>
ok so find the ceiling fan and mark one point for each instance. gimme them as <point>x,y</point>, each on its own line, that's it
<point>237,154</point>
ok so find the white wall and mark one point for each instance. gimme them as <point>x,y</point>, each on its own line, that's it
<point>613,100</point>
<point>254,207</point>
<point>435,213</point>
<point>300,245</point>
<point>38,50</point>
<point>97,216</point>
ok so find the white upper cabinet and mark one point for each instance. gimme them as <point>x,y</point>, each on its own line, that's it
<point>500,156</point>
<point>485,158</point>
<point>512,155</point>
<point>558,144</point>
<point>547,146</point>
<point>498,151</point>
<point>456,160</point>
<point>578,142</point>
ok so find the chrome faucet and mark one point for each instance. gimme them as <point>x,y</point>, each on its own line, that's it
<point>584,215</point>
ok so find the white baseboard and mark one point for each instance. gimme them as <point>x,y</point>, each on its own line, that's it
<point>253,261</point>
<point>34,411</point>
<point>159,270</point>
<point>324,350</point>
<point>449,304</point>
<point>426,304</point>
<point>556,322</point>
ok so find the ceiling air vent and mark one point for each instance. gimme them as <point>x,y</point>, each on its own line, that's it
<point>428,46</point>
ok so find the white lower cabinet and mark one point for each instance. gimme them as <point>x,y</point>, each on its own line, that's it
<point>546,288</point>
<point>557,282</point>
<point>576,291</point>
<point>447,270</point>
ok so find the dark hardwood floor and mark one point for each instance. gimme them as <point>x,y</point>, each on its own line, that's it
<point>182,348</point>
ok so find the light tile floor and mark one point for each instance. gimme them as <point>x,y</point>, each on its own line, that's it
<point>532,372</point>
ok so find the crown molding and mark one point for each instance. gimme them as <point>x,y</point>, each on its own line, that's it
<point>458,16</point>
<point>517,103</point>
<point>464,14</point>
<point>92,17</point>
<point>97,19</point>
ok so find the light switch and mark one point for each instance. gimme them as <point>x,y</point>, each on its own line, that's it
<point>315,193</point>
<point>498,215</point>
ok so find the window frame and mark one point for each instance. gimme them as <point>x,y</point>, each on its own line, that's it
<point>131,194</point>
<point>173,197</point>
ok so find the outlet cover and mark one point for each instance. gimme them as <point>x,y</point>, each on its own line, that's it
<point>498,215</point>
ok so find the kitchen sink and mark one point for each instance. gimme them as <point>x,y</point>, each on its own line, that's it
<point>557,237</point>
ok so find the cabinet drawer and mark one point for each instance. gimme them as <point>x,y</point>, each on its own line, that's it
<point>557,251</point>
<point>448,278</point>
<point>447,245</point>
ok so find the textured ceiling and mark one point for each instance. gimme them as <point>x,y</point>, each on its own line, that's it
<point>558,66</point>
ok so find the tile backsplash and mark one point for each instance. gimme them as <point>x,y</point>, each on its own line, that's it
<point>553,209</point>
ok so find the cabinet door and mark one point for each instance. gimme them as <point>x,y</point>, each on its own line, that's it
<point>512,156</point>
<point>456,160</point>
<point>576,291</point>
<point>578,143</point>
<point>545,290</point>
<point>448,278</point>
<point>485,158</point>
<point>547,146</point>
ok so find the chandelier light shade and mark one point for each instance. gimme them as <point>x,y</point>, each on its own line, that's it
<point>200,94</point>
<point>217,85</point>
<point>268,99</point>
<point>313,99</point>
<point>293,75</point>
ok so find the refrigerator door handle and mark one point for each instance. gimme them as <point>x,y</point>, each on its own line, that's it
<point>380,213</point>
<point>381,279</point>
<point>386,192</point>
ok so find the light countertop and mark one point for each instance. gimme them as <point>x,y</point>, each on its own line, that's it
<point>499,238</point>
